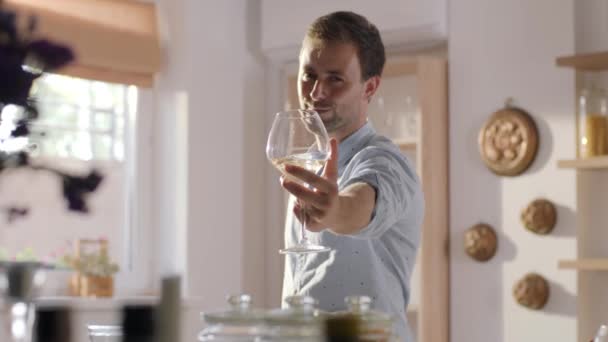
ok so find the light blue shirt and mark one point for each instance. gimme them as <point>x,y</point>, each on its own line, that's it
<point>378,261</point>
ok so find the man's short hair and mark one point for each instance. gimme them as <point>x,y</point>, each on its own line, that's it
<point>350,27</point>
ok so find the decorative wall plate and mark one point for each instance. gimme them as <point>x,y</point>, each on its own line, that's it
<point>532,291</point>
<point>480,242</point>
<point>539,216</point>
<point>508,141</point>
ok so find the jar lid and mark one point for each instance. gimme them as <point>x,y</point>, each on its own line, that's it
<point>361,306</point>
<point>96,330</point>
<point>300,310</point>
<point>240,312</point>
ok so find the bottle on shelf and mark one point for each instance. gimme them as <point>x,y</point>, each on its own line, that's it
<point>593,122</point>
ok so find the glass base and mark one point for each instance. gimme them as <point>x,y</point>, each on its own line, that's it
<point>304,248</point>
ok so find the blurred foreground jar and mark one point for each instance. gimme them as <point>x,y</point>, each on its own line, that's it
<point>52,324</point>
<point>593,122</point>
<point>301,321</point>
<point>342,328</point>
<point>239,323</point>
<point>374,326</point>
<point>139,323</point>
<point>104,333</point>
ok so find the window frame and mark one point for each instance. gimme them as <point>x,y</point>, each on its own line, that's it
<point>138,273</point>
<point>138,238</point>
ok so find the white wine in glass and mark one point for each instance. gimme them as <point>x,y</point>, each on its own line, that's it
<point>298,137</point>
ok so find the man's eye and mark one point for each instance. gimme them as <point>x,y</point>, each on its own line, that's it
<point>307,77</point>
<point>334,78</point>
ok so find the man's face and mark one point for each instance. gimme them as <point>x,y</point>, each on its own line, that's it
<point>329,82</point>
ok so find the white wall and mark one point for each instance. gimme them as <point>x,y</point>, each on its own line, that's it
<point>210,133</point>
<point>209,183</point>
<point>500,49</point>
<point>50,229</point>
<point>284,22</point>
<point>210,189</point>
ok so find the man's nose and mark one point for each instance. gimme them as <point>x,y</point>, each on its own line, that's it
<point>318,91</point>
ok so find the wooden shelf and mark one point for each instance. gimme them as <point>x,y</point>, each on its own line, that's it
<point>587,163</point>
<point>590,62</point>
<point>584,264</point>
<point>405,144</point>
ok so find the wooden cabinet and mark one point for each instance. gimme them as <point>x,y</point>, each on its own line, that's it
<point>591,228</point>
<point>411,107</point>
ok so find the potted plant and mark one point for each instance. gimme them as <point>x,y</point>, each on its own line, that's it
<point>95,271</point>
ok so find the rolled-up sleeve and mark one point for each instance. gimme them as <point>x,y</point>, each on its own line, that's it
<point>394,185</point>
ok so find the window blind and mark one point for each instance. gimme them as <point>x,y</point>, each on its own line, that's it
<point>114,40</point>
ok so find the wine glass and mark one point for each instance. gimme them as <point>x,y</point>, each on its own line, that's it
<point>298,137</point>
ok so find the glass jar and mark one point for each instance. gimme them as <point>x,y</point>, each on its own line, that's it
<point>374,326</point>
<point>104,333</point>
<point>301,321</point>
<point>239,323</point>
<point>593,122</point>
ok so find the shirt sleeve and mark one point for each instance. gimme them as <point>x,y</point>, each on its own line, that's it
<point>393,180</point>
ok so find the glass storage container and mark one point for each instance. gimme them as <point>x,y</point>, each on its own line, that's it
<point>104,333</point>
<point>374,326</point>
<point>593,122</point>
<point>301,321</point>
<point>239,323</point>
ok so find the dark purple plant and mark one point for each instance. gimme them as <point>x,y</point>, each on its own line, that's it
<point>51,56</point>
<point>22,60</point>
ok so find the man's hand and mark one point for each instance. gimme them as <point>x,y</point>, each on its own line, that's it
<point>320,205</point>
<point>345,212</point>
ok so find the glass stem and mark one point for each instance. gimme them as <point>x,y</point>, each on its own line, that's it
<point>303,220</point>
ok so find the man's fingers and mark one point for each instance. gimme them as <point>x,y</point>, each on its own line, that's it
<point>306,195</point>
<point>331,167</point>
<point>317,182</point>
<point>312,223</point>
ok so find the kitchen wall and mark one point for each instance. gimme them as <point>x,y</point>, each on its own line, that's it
<point>211,113</point>
<point>501,49</point>
<point>209,184</point>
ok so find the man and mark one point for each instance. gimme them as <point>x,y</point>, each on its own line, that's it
<point>367,205</point>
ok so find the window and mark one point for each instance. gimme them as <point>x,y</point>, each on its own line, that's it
<point>83,119</point>
<point>82,124</point>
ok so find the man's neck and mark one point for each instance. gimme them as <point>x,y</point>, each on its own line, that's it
<point>343,136</point>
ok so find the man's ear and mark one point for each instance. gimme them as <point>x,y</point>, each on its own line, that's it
<point>371,86</point>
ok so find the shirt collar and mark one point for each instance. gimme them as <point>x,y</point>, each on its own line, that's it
<point>353,143</point>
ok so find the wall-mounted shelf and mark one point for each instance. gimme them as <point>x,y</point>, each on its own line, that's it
<point>587,163</point>
<point>406,144</point>
<point>597,61</point>
<point>584,264</point>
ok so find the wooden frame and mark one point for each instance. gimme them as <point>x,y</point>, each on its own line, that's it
<point>433,322</point>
